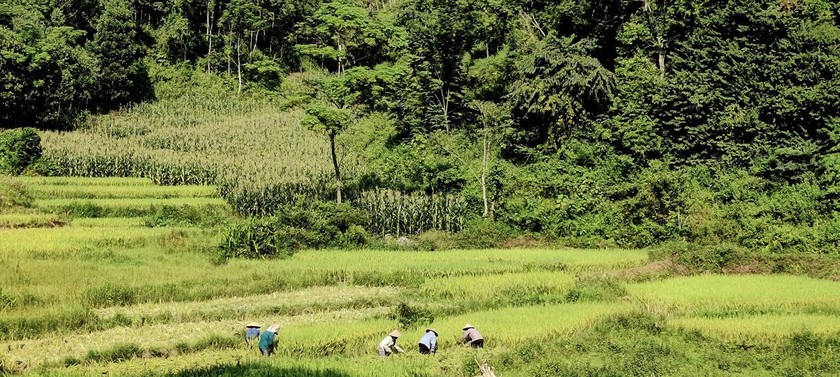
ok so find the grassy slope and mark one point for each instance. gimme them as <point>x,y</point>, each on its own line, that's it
<point>109,295</point>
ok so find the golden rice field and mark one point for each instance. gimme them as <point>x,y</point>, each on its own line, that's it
<point>90,286</point>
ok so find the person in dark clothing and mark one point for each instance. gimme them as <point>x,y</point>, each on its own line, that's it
<point>267,340</point>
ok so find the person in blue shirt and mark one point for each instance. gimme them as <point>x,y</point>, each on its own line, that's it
<point>252,333</point>
<point>267,339</point>
<point>428,343</point>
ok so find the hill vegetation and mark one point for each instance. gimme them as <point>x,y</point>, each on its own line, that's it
<point>594,123</point>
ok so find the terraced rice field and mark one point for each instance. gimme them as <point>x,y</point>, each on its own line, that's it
<point>118,277</point>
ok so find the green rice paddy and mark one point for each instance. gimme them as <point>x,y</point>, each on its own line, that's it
<point>89,287</point>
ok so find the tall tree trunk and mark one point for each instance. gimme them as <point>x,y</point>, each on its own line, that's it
<point>209,33</point>
<point>443,100</point>
<point>662,62</point>
<point>485,157</point>
<point>337,170</point>
<point>239,64</point>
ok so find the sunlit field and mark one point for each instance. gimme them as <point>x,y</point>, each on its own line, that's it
<point>103,276</point>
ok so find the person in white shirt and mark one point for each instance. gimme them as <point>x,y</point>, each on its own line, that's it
<point>389,341</point>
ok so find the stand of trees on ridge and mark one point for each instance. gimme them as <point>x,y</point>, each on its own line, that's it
<point>612,122</point>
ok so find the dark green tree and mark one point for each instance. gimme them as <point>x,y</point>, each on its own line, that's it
<point>331,113</point>
<point>46,77</point>
<point>343,35</point>
<point>123,77</point>
<point>558,88</point>
<point>243,20</point>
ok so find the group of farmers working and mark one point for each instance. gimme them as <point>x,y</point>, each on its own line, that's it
<point>388,345</point>
<point>428,343</point>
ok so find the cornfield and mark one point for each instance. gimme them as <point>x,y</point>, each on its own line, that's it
<point>398,214</point>
<point>259,154</point>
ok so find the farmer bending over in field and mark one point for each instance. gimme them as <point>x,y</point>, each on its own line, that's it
<point>252,332</point>
<point>472,337</point>
<point>389,341</point>
<point>267,340</point>
<point>428,343</point>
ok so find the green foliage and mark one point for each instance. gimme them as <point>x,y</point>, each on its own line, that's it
<point>559,88</point>
<point>390,212</point>
<point>410,316</point>
<point>123,77</point>
<point>292,228</point>
<point>620,123</point>
<point>330,119</point>
<point>594,289</point>
<point>18,149</point>
<point>483,233</point>
<point>13,194</point>
<point>343,34</point>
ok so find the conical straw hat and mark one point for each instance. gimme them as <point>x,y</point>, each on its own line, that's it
<point>395,334</point>
<point>253,324</point>
<point>468,326</point>
<point>432,330</point>
<point>273,328</point>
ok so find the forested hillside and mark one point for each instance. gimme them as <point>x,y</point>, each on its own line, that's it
<point>711,125</point>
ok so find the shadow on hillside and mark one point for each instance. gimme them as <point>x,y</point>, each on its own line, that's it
<point>252,370</point>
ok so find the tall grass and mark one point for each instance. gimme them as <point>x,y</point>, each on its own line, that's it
<point>518,288</point>
<point>32,220</point>
<point>761,329</point>
<point>524,325</point>
<point>727,293</point>
<point>84,191</point>
<point>35,352</point>
<point>121,207</point>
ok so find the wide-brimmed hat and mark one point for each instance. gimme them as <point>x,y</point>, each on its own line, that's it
<point>432,330</point>
<point>252,324</point>
<point>468,326</point>
<point>395,334</point>
<point>273,328</point>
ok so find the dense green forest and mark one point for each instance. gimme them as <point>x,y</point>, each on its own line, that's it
<point>712,126</point>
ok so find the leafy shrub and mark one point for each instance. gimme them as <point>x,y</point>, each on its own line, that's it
<point>410,316</point>
<point>18,148</point>
<point>596,289</point>
<point>13,194</point>
<point>434,240</point>
<point>484,234</point>
<point>698,257</point>
<point>293,228</point>
<point>355,235</point>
